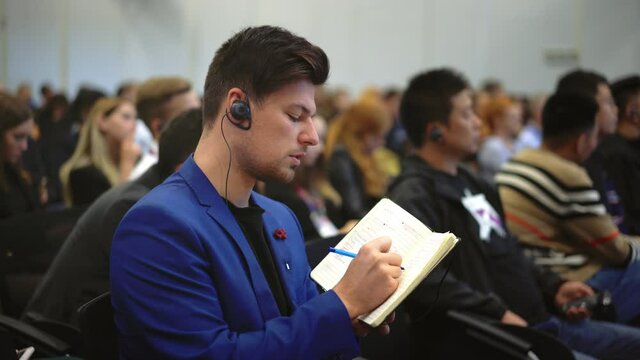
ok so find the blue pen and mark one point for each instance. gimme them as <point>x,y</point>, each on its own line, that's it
<point>347,253</point>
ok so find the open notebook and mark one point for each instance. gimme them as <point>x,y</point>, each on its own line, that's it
<point>421,250</point>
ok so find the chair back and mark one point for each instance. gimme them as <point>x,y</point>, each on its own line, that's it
<point>98,329</point>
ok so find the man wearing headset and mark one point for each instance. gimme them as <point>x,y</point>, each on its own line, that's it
<point>203,267</point>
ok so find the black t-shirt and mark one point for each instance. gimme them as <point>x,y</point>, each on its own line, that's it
<point>250,221</point>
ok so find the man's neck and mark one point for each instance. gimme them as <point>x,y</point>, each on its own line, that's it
<point>212,156</point>
<point>434,156</point>
<point>565,152</point>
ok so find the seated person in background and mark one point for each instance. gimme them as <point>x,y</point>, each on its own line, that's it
<point>18,193</point>
<point>202,266</point>
<point>596,86</point>
<point>531,134</point>
<point>158,100</point>
<point>352,139</point>
<point>621,153</point>
<point>504,117</point>
<point>310,196</point>
<point>489,276</point>
<point>105,154</point>
<point>80,271</point>
<point>550,203</point>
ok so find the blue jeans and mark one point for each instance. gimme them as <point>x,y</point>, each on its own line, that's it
<point>598,339</point>
<point>624,285</point>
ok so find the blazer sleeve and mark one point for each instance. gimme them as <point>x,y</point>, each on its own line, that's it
<point>167,304</point>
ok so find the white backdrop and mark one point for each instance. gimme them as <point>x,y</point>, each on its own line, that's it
<point>369,42</point>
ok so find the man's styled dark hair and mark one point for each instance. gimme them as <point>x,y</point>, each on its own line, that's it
<point>623,90</point>
<point>566,115</point>
<point>428,99</point>
<point>581,81</point>
<point>261,60</point>
<point>178,139</point>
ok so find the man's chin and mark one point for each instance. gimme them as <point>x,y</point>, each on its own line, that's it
<point>283,177</point>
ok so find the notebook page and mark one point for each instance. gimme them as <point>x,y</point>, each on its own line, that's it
<point>431,252</point>
<point>385,219</point>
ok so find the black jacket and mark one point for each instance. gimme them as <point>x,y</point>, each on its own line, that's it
<point>347,179</point>
<point>80,271</point>
<point>486,277</point>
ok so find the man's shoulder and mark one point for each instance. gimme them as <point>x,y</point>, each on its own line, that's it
<point>174,197</point>
<point>543,164</point>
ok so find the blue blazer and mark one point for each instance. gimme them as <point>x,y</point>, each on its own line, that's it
<point>185,283</point>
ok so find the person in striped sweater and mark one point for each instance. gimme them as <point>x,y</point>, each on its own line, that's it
<point>551,203</point>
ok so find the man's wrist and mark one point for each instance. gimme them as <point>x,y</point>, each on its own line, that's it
<point>351,309</point>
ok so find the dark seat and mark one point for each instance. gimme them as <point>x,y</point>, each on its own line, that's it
<point>472,337</point>
<point>98,329</point>
<point>29,244</point>
<point>16,334</point>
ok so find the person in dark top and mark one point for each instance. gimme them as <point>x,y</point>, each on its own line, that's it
<point>18,194</point>
<point>106,152</point>
<point>621,153</point>
<point>489,276</point>
<point>56,143</point>
<point>352,169</point>
<point>80,271</point>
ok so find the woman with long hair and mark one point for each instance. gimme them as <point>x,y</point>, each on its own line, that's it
<point>352,139</point>
<point>18,194</point>
<point>105,154</point>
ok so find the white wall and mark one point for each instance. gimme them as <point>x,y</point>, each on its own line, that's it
<point>369,42</point>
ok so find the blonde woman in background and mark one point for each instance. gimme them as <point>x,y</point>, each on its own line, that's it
<point>105,154</point>
<point>353,171</point>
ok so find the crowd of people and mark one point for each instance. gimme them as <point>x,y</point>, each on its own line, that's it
<point>179,190</point>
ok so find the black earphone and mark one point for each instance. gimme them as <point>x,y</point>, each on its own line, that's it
<point>435,134</point>
<point>240,114</point>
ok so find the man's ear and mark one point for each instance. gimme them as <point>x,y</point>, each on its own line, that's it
<point>581,143</point>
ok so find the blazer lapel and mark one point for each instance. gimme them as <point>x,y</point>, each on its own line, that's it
<point>218,210</point>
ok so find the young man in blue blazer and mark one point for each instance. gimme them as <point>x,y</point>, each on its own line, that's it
<point>203,267</point>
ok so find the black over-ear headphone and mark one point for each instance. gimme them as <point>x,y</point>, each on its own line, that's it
<point>240,114</point>
<point>435,134</point>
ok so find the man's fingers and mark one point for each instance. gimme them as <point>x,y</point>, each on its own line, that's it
<point>384,329</point>
<point>382,244</point>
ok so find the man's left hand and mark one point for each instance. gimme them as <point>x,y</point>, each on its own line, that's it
<point>573,290</point>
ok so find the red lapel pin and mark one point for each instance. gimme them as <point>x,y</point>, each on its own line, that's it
<point>280,234</point>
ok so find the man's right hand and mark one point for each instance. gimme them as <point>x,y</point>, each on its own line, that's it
<point>512,318</point>
<point>370,278</point>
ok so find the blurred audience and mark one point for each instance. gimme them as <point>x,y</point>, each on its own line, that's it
<point>18,192</point>
<point>596,86</point>
<point>531,134</point>
<point>105,155</point>
<point>352,139</point>
<point>550,203</point>
<point>504,117</point>
<point>158,100</point>
<point>80,270</point>
<point>621,153</point>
